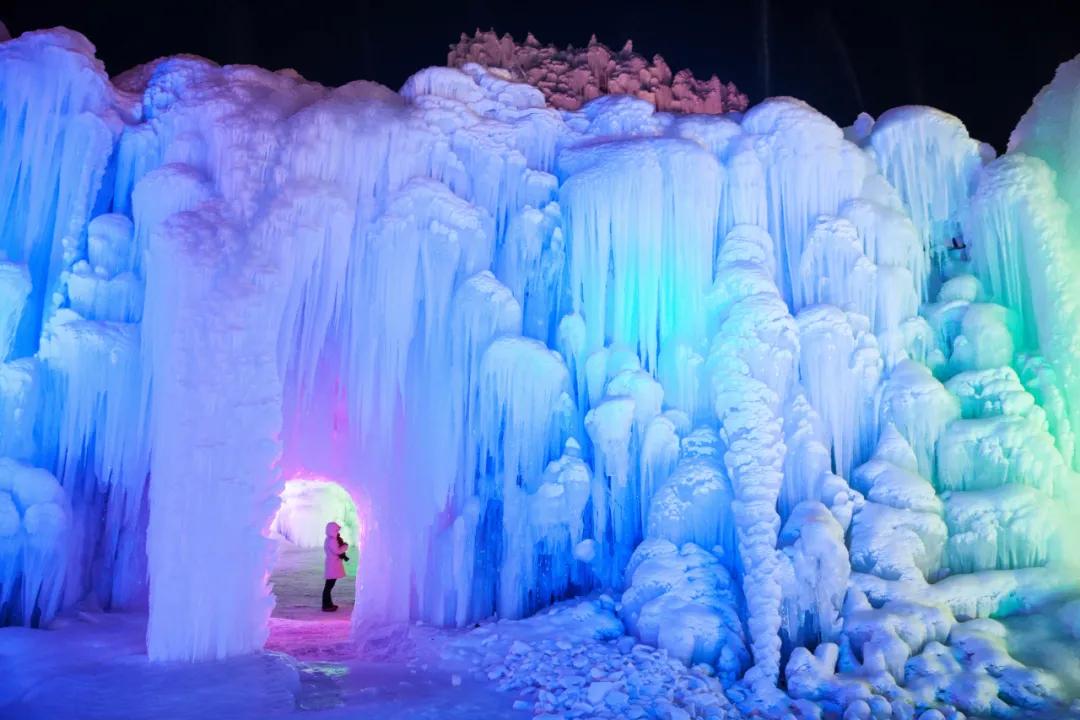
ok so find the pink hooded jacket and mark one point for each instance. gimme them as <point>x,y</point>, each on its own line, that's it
<point>335,566</point>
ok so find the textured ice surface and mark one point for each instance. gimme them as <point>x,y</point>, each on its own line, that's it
<point>733,365</point>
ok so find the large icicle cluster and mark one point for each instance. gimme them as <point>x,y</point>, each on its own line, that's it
<point>733,366</point>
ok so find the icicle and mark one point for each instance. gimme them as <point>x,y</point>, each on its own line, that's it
<point>640,218</point>
<point>1005,528</point>
<point>56,134</point>
<point>833,269</point>
<point>35,525</point>
<point>920,408</point>
<point>841,368</point>
<point>1021,250</point>
<point>929,158</point>
<point>814,541</point>
<point>804,168</point>
<point>520,396</point>
<point>14,289</point>
<point>20,407</point>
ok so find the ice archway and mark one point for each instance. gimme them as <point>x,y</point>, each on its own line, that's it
<point>307,504</point>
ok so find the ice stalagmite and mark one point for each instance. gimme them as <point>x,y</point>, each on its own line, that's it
<point>753,362</point>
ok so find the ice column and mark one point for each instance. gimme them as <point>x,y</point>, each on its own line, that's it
<point>216,306</point>
<point>753,364</point>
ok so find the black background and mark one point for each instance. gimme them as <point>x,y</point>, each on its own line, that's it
<point>982,61</point>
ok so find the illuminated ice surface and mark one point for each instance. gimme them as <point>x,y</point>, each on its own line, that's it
<point>727,377</point>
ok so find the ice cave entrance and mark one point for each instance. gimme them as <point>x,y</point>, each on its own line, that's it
<point>299,528</point>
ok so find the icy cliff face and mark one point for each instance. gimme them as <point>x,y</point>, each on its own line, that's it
<point>731,364</point>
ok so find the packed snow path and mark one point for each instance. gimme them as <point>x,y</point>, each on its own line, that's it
<point>298,626</point>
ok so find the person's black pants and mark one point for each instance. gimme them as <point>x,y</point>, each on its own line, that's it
<point>326,601</point>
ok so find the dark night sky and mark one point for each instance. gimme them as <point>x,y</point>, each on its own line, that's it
<point>982,61</point>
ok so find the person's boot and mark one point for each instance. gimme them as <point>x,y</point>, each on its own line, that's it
<point>329,608</point>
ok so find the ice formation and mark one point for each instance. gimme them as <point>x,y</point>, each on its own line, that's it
<point>732,366</point>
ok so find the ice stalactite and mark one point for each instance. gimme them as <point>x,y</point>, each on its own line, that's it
<point>14,290</point>
<point>792,165</point>
<point>20,408</point>
<point>841,369</point>
<point>520,411</point>
<point>56,135</point>
<point>35,525</point>
<point>1022,251</point>
<point>833,269</point>
<point>1008,527</point>
<point>814,541</point>
<point>920,408</point>
<point>639,267</point>
<point>927,155</point>
<point>808,463</point>
<point>531,261</point>
<point>1041,380</point>
<point>91,371</point>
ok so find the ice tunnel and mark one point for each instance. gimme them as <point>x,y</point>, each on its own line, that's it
<point>730,367</point>
<point>307,504</point>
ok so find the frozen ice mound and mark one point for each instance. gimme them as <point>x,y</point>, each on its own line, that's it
<point>35,534</point>
<point>681,599</point>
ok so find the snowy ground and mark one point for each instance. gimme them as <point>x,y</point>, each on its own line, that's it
<point>571,661</point>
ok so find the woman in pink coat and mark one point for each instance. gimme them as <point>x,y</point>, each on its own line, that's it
<point>335,549</point>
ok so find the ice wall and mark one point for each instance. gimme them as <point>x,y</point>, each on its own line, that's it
<point>733,365</point>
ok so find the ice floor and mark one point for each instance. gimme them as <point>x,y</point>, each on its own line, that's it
<point>572,659</point>
<point>571,662</point>
<point>97,663</point>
